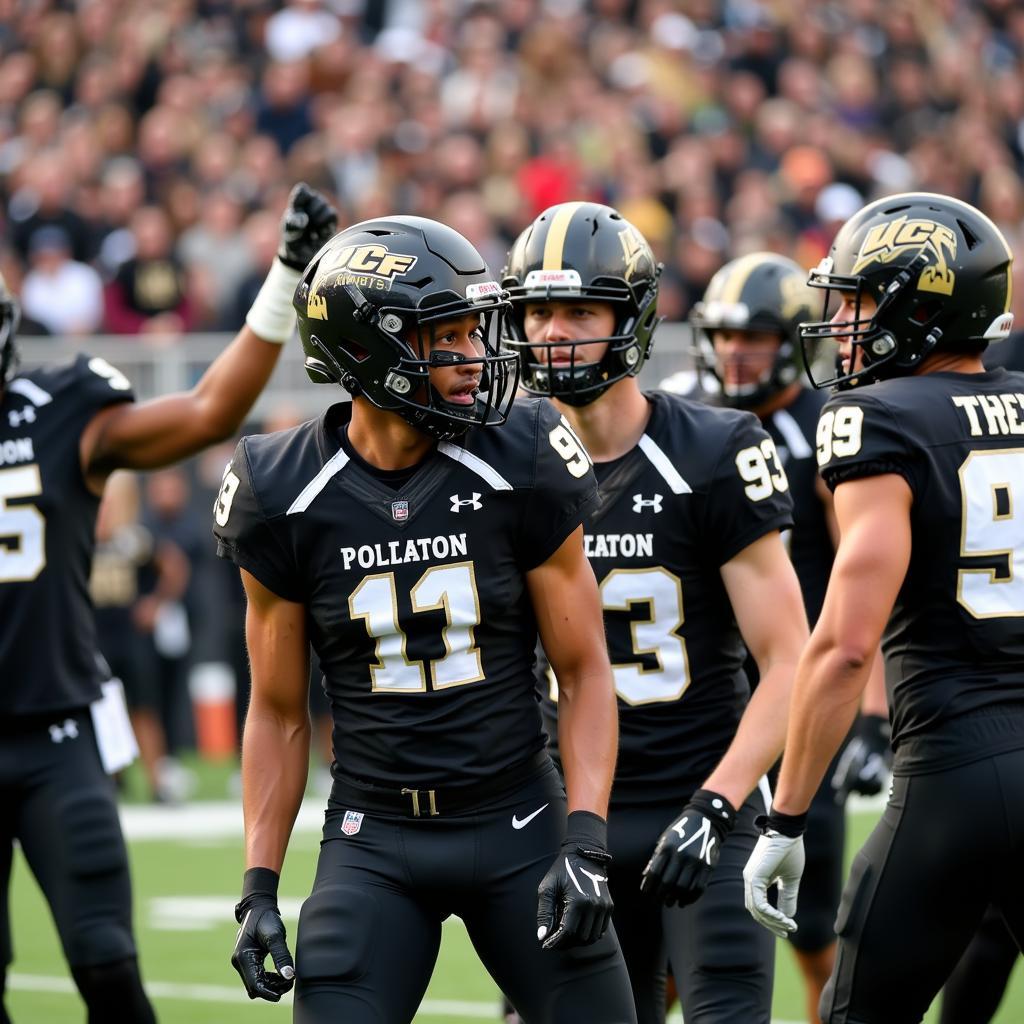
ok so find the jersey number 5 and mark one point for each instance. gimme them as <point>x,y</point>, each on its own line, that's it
<point>23,524</point>
<point>992,496</point>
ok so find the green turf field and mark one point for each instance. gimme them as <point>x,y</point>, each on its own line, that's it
<point>185,887</point>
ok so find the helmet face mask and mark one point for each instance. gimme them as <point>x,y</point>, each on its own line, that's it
<point>935,274</point>
<point>582,253</point>
<point>369,307</point>
<point>761,293</point>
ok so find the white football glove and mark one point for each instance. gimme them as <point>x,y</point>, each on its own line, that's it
<point>775,858</point>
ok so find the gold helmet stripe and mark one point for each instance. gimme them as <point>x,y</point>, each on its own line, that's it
<point>554,244</point>
<point>732,287</point>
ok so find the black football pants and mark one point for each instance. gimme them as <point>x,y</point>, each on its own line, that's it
<point>59,804</point>
<point>976,987</point>
<point>369,932</point>
<point>948,844</point>
<point>723,962</point>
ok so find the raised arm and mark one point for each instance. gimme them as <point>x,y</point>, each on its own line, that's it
<point>166,429</point>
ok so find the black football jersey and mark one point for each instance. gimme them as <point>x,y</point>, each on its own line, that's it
<point>47,520</point>
<point>1008,354</point>
<point>415,592</point>
<point>702,484</point>
<point>793,430</point>
<point>954,645</point>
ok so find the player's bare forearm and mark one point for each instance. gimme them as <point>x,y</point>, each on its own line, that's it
<point>275,762</point>
<point>588,730</point>
<point>571,626</point>
<point>275,743</point>
<point>870,566</point>
<point>759,737</point>
<point>825,700</point>
<point>766,600</point>
<point>170,428</point>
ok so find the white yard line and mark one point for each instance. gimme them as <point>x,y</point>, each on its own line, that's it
<point>232,994</point>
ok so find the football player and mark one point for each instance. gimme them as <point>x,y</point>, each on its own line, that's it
<point>748,347</point>
<point>974,990</point>
<point>923,450</point>
<point>420,536</point>
<point>64,429</point>
<point>686,545</point>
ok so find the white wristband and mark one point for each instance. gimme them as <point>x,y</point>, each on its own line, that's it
<point>272,316</point>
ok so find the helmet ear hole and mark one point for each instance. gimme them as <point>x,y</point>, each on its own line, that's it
<point>925,312</point>
<point>356,352</point>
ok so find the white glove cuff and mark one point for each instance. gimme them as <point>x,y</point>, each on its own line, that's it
<point>272,316</point>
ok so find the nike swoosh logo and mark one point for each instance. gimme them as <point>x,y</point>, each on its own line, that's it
<point>523,822</point>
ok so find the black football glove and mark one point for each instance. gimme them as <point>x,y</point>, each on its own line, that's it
<point>308,223</point>
<point>262,932</point>
<point>574,905</point>
<point>682,863</point>
<point>865,761</point>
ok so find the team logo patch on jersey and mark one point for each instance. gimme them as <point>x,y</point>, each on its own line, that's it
<point>460,503</point>
<point>352,822</point>
<point>399,511</point>
<point>640,503</point>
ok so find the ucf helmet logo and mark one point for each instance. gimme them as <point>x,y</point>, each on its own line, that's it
<point>884,242</point>
<point>634,249</point>
<point>367,266</point>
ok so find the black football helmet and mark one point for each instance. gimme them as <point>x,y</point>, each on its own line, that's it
<point>583,251</point>
<point>758,292</point>
<point>10,315</point>
<point>367,305</point>
<point>939,271</point>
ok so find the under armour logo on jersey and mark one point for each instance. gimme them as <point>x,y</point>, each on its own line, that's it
<point>27,415</point>
<point>640,503</point>
<point>460,503</point>
<point>704,834</point>
<point>66,730</point>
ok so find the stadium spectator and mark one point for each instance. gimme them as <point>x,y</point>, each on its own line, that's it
<point>392,105</point>
<point>65,296</point>
<point>147,294</point>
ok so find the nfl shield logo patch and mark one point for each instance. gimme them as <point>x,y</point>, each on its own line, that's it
<point>399,510</point>
<point>352,822</point>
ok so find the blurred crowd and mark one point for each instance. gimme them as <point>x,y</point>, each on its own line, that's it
<point>147,146</point>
